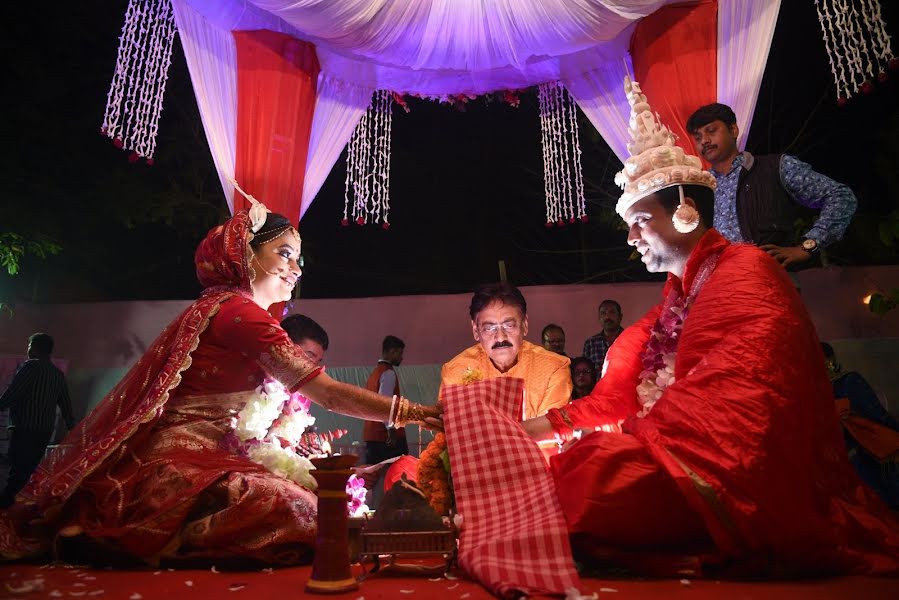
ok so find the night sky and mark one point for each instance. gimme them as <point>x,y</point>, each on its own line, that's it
<point>466,187</point>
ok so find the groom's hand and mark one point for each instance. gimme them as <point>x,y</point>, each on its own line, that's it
<point>434,417</point>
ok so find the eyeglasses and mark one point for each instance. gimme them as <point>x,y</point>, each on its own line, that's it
<point>493,328</point>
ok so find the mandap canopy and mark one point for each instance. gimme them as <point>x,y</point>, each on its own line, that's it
<point>282,84</point>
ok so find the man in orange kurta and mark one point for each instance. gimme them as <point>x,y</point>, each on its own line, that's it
<point>546,375</point>
<point>499,324</point>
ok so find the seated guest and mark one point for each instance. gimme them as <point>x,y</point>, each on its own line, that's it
<point>499,323</point>
<point>308,335</point>
<point>553,337</point>
<point>583,377</point>
<point>870,432</point>
<point>699,452</point>
<point>149,474</point>
<point>595,347</point>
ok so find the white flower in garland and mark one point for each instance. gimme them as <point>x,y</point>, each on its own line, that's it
<point>291,426</point>
<point>284,462</point>
<point>654,383</point>
<point>269,431</point>
<point>356,494</point>
<point>257,416</point>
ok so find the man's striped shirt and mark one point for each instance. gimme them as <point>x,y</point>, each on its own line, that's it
<point>37,388</point>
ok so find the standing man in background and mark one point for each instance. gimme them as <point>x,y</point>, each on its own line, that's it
<point>37,388</point>
<point>383,442</point>
<point>757,197</point>
<point>595,347</point>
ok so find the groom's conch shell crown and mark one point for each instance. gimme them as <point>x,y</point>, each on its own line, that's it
<point>655,162</point>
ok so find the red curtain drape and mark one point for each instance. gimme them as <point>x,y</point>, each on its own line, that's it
<point>674,52</point>
<point>276,83</point>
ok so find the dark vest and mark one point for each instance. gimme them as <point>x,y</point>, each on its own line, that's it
<point>375,431</point>
<point>765,210</point>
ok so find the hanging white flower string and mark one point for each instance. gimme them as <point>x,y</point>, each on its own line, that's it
<point>367,194</point>
<point>134,102</point>
<point>857,45</point>
<point>563,178</point>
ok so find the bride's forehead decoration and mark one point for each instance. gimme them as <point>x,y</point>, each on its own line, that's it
<point>258,214</point>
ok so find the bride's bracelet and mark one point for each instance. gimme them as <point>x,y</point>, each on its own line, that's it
<point>408,412</point>
<point>393,411</point>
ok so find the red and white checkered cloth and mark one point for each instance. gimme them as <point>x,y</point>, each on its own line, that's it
<point>513,537</point>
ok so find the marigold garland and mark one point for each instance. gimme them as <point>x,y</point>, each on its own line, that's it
<point>434,477</point>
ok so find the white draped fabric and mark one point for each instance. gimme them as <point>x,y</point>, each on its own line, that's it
<point>442,47</point>
<point>745,31</point>
<point>339,106</point>
<point>212,61</point>
<point>599,93</point>
<point>458,35</point>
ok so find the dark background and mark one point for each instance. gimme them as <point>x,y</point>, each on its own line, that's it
<point>466,187</point>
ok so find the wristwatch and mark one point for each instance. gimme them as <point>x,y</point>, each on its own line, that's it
<point>810,246</point>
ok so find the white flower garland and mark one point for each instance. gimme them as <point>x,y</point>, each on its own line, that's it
<point>269,430</point>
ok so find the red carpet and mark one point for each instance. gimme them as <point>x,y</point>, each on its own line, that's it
<point>66,581</point>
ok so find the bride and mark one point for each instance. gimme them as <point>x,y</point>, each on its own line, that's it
<point>147,475</point>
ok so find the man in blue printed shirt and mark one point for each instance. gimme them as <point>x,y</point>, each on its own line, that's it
<point>757,196</point>
<point>596,347</point>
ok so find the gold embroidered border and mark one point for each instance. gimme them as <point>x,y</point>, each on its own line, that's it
<point>152,414</point>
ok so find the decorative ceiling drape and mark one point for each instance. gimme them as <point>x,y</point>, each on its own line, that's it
<point>438,47</point>
<point>338,108</point>
<point>674,54</point>
<point>599,93</point>
<point>745,31</point>
<point>212,62</point>
<point>276,81</point>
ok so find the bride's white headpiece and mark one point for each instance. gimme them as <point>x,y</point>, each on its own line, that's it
<point>258,210</point>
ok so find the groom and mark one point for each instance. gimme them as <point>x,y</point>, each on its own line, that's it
<point>700,451</point>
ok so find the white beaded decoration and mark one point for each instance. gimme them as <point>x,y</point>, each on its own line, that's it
<point>563,178</point>
<point>367,194</point>
<point>856,42</point>
<point>134,102</point>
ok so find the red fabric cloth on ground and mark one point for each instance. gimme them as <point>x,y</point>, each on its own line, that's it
<point>602,475</point>
<point>675,52</point>
<point>747,430</point>
<point>73,582</point>
<point>513,536</point>
<point>404,465</point>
